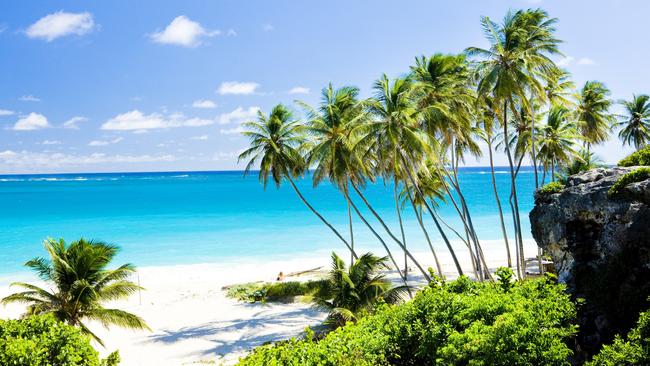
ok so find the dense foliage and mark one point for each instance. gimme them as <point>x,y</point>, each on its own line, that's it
<point>636,175</point>
<point>635,350</point>
<point>79,283</point>
<point>459,322</point>
<point>637,158</point>
<point>550,188</point>
<point>42,340</point>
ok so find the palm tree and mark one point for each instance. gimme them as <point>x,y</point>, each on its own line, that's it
<point>504,72</point>
<point>558,88</point>
<point>275,143</point>
<point>355,290</point>
<point>558,139</point>
<point>592,113</point>
<point>80,283</point>
<point>636,123</point>
<point>583,161</point>
<point>331,150</point>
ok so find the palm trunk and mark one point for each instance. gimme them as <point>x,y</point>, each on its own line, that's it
<point>347,197</point>
<point>390,233</point>
<point>408,167</point>
<point>418,215</point>
<point>552,170</point>
<point>532,139</point>
<point>302,198</point>
<point>401,224</point>
<point>496,196</point>
<point>513,190</point>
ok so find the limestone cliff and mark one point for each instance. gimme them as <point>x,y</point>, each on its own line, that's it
<point>601,249</point>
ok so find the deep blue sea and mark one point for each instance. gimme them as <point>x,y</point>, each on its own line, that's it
<point>198,217</point>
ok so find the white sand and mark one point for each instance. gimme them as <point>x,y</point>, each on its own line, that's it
<point>193,322</point>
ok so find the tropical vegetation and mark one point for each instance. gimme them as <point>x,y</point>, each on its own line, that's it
<point>447,323</point>
<point>637,175</point>
<point>43,341</point>
<point>80,283</point>
<point>638,158</point>
<point>632,350</point>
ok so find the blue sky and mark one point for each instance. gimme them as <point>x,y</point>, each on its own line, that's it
<point>163,85</point>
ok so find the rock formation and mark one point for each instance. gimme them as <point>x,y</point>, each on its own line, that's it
<point>601,249</point>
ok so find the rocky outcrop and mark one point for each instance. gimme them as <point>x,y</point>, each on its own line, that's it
<point>601,249</point>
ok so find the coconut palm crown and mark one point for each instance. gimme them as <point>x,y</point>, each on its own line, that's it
<point>635,124</point>
<point>80,283</point>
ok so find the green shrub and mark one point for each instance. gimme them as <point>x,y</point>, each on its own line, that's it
<point>280,291</point>
<point>637,158</point>
<point>636,175</point>
<point>41,341</point>
<point>456,323</point>
<point>550,188</point>
<point>633,351</point>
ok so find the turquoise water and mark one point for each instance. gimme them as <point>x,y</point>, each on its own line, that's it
<point>198,217</point>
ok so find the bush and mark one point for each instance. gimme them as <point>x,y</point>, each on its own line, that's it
<point>550,188</point>
<point>636,175</point>
<point>280,291</point>
<point>456,323</point>
<point>633,351</point>
<point>637,158</point>
<point>41,341</point>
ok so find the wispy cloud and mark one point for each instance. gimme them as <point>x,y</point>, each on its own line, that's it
<point>138,121</point>
<point>200,138</point>
<point>73,123</point>
<point>105,142</point>
<point>6,112</point>
<point>204,103</point>
<point>586,61</point>
<point>61,24</point>
<point>237,88</point>
<point>35,160</point>
<point>565,61</point>
<point>299,90</point>
<point>183,32</point>
<point>51,142</point>
<point>29,98</point>
<point>33,121</point>
<point>239,115</point>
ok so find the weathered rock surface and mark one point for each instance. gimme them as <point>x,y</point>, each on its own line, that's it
<point>601,249</point>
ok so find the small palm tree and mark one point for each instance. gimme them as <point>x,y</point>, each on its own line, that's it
<point>594,119</point>
<point>583,161</point>
<point>558,139</point>
<point>636,121</point>
<point>357,289</point>
<point>81,284</point>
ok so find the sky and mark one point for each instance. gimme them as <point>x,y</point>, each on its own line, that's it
<point>114,86</point>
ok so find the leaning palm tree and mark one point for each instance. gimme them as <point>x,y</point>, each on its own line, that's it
<point>636,121</point>
<point>592,113</point>
<point>80,284</point>
<point>275,144</point>
<point>331,149</point>
<point>352,291</point>
<point>558,139</point>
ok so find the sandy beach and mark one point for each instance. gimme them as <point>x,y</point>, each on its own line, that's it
<point>193,322</point>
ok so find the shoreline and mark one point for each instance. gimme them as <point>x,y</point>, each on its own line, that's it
<point>193,322</point>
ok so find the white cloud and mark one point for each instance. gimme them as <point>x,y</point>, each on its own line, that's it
<point>136,120</point>
<point>204,103</point>
<point>299,90</point>
<point>36,160</point>
<point>267,27</point>
<point>105,142</point>
<point>32,121</point>
<point>51,142</point>
<point>232,131</point>
<point>586,61</point>
<point>238,88</point>
<point>73,122</point>
<point>183,32</point>
<point>239,115</point>
<point>6,112</point>
<point>29,98</point>
<point>60,24</point>
<point>201,138</point>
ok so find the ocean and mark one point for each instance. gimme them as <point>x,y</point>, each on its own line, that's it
<point>204,217</point>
